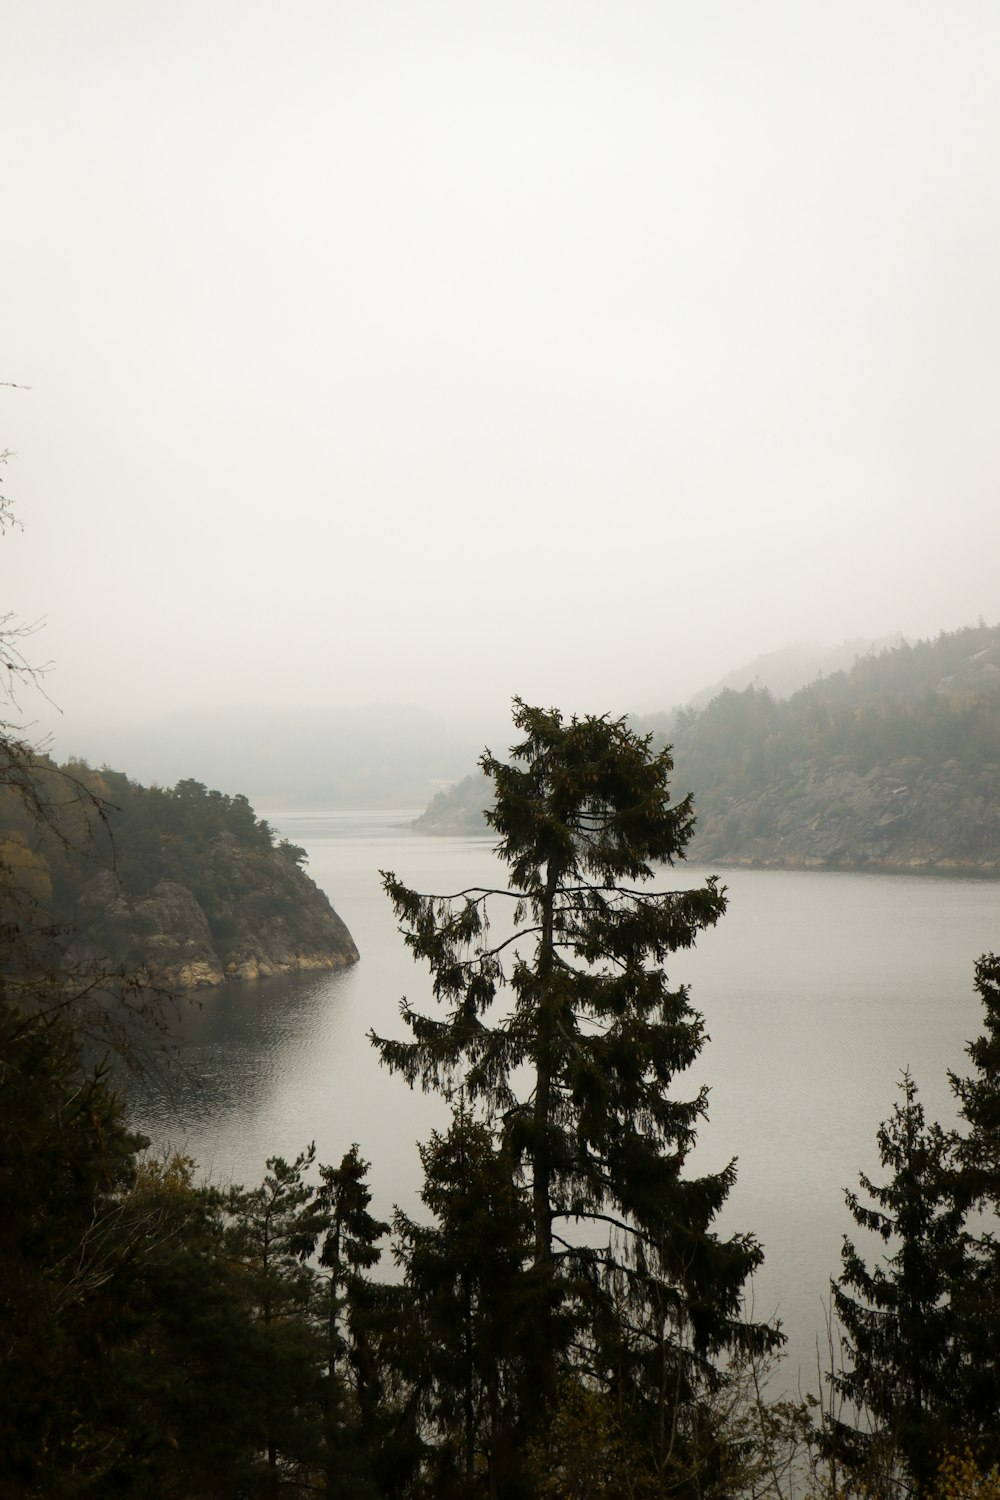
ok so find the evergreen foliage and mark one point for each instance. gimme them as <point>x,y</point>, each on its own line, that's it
<point>354,1392</point>
<point>979,1097</point>
<point>922,1327</point>
<point>977,1189</point>
<point>632,1283</point>
<point>899,1317</point>
<point>470,1312</point>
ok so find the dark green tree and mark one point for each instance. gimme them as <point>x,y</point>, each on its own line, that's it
<point>272,1234</point>
<point>192,1420</point>
<point>977,1189</point>
<point>353,1386</point>
<point>469,1309</point>
<point>66,1163</point>
<point>903,1352</point>
<point>979,1097</point>
<point>565,1032</point>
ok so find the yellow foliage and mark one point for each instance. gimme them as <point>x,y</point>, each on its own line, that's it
<point>24,871</point>
<point>959,1477</point>
<point>171,1173</point>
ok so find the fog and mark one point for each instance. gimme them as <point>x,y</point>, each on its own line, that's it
<point>432,353</point>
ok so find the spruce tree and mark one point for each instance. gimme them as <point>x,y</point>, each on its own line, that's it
<point>977,1189</point>
<point>272,1233</point>
<point>979,1097</point>
<point>566,1034</point>
<point>902,1342</point>
<point>468,1307</point>
<point>353,1385</point>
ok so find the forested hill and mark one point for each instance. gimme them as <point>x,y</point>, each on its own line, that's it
<point>184,884</point>
<point>893,764</point>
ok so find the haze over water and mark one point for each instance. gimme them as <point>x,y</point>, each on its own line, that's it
<point>816,988</point>
<point>439,353</point>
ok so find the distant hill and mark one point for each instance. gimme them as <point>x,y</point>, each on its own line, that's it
<point>182,886</point>
<point>894,764</point>
<point>793,667</point>
<point>387,755</point>
<point>891,764</point>
<point>781,672</point>
<point>458,808</point>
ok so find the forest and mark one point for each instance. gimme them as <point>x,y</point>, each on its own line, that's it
<point>183,883</point>
<point>891,764</point>
<point>564,1318</point>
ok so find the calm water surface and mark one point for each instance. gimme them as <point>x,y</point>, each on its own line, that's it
<point>817,988</point>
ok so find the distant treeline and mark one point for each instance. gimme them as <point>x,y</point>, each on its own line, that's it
<point>894,764</point>
<point>936,701</point>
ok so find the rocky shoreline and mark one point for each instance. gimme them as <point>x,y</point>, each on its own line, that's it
<point>268,926</point>
<point>904,816</point>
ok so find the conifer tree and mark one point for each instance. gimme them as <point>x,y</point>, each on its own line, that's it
<point>272,1232</point>
<point>979,1097</point>
<point>349,1249</point>
<point>469,1306</point>
<point>902,1338</point>
<point>564,1031</point>
<point>977,1189</point>
<point>67,1161</point>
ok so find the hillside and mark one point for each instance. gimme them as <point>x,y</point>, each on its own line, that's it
<point>893,764</point>
<point>459,809</point>
<point>185,885</point>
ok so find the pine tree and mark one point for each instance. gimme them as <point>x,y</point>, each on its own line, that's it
<point>979,1097</point>
<point>904,1353</point>
<point>977,1188</point>
<point>576,1070</point>
<point>349,1249</point>
<point>468,1307</point>
<point>272,1233</point>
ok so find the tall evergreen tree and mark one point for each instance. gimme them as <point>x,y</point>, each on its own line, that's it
<point>977,1188</point>
<point>272,1233</point>
<point>576,1071</point>
<point>902,1342</point>
<point>353,1386</point>
<point>979,1097</point>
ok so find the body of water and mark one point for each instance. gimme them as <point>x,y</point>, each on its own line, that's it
<point>817,989</point>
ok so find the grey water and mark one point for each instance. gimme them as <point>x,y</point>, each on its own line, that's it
<point>817,988</point>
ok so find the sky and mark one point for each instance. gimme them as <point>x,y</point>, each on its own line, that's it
<point>437,351</point>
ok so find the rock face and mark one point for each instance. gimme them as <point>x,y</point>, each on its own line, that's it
<point>903,816</point>
<point>265,917</point>
<point>277,920</point>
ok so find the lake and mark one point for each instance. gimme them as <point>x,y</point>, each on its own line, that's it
<point>817,988</point>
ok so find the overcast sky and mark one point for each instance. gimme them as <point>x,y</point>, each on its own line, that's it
<point>438,352</point>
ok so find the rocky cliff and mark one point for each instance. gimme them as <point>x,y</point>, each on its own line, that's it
<point>902,816</point>
<point>272,919</point>
<point>181,886</point>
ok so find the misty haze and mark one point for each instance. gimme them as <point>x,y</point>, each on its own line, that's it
<point>500,528</point>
